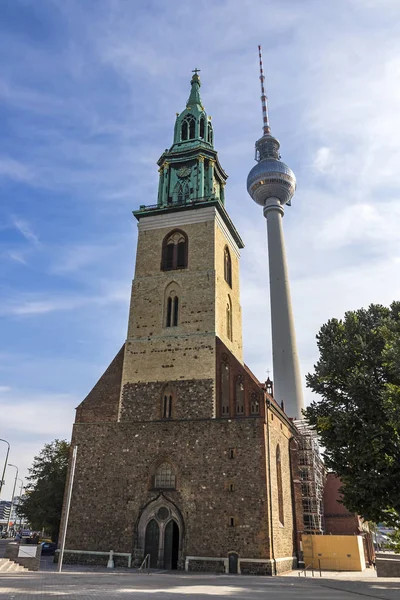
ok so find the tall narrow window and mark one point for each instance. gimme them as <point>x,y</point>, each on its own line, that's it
<point>184,131</point>
<point>279,485</point>
<point>175,304</point>
<point>164,477</point>
<point>171,305</point>
<point>209,133</point>
<point>172,311</point>
<point>167,406</point>
<point>174,251</point>
<point>169,312</point>
<point>168,398</point>
<point>229,333</point>
<point>202,127</point>
<point>255,404</point>
<point>225,388</point>
<point>192,125</point>
<point>239,393</point>
<point>227,267</point>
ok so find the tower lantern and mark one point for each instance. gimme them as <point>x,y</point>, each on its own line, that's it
<point>271,183</point>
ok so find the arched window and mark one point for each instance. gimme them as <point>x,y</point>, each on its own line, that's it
<point>202,127</point>
<point>172,316</point>
<point>239,394</point>
<point>279,485</point>
<point>227,266</point>
<point>165,476</point>
<point>192,126</point>
<point>229,333</point>
<point>255,404</point>
<point>167,403</point>
<point>209,133</point>
<point>181,192</point>
<point>174,251</point>
<point>225,388</point>
<point>184,131</point>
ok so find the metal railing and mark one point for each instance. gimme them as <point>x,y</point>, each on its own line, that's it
<point>145,564</point>
<point>311,567</point>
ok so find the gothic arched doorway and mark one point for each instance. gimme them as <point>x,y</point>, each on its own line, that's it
<point>171,545</point>
<point>160,531</point>
<point>152,542</point>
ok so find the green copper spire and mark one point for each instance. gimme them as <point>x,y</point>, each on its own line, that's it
<point>190,171</point>
<point>194,97</point>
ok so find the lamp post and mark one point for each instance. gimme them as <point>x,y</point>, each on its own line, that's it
<point>5,464</point>
<point>20,497</point>
<point>12,497</point>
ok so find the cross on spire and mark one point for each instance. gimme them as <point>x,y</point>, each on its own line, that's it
<point>195,71</point>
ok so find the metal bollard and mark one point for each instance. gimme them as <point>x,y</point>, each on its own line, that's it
<point>110,564</point>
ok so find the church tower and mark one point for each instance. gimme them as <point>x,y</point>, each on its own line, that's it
<point>185,293</point>
<point>183,455</point>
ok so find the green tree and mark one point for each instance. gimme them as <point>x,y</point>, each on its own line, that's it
<point>43,501</point>
<point>358,416</point>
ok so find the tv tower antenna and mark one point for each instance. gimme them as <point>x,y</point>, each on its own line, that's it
<point>264,99</point>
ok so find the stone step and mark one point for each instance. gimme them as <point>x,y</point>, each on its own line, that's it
<point>9,566</point>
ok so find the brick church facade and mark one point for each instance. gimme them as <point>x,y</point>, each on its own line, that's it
<point>183,455</point>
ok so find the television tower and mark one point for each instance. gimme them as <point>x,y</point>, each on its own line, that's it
<point>272,184</point>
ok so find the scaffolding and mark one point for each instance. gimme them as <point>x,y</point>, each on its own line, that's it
<point>312,476</point>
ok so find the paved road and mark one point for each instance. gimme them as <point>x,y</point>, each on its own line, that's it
<point>118,585</point>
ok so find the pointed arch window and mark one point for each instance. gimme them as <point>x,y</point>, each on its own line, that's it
<point>202,127</point>
<point>225,388</point>
<point>227,266</point>
<point>174,251</point>
<point>255,404</point>
<point>229,333</point>
<point>239,395</point>
<point>168,397</point>
<point>165,476</point>
<point>209,133</point>
<point>279,486</point>
<point>188,128</point>
<point>181,192</point>
<point>172,317</point>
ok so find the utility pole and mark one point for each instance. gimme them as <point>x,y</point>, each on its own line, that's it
<point>5,465</point>
<point>68,505</point>
<point>12,497</point>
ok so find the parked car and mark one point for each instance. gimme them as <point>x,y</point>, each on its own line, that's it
<point>48,547</point>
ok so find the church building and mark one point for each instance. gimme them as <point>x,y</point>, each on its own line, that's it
<point>183,456</point>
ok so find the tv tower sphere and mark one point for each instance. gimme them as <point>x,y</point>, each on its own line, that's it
<point>270,177</point>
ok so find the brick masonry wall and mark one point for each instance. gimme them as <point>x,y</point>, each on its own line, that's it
<point>113,483</point>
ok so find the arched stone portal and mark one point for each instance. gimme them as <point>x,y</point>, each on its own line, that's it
<point>160,534</point>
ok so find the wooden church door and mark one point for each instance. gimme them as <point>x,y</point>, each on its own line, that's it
<point>152,541</point>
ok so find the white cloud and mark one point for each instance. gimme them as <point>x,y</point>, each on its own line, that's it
<point>25,229</point>
<point>15,170</point>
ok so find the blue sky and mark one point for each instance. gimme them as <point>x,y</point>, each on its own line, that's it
<point>89,91</point>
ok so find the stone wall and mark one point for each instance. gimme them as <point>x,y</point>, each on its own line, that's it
<point>114,482</point>
<point>279,433</point>
<point>31,563</point>
<point>192,399</point>
<point>388,565</point>
<point>101,404</point>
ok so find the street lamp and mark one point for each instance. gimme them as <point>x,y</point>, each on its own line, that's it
<point>12,497</point>
<point>20,497</point>
<point>5,464</point>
